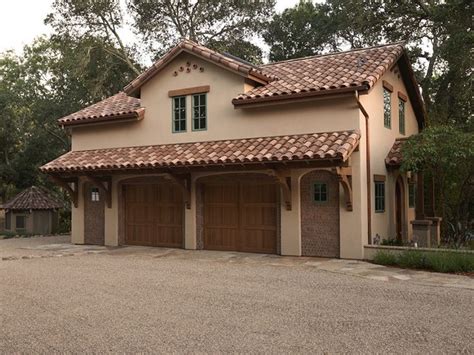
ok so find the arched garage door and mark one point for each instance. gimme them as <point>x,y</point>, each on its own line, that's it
<point>154,214</point>
<point>240,214</point>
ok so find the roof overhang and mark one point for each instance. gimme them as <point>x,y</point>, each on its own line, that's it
<point>136,115</point>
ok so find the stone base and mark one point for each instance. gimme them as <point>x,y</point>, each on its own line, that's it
<point>422,232</point>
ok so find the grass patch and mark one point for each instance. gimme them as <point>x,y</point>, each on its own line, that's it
<point>434,261</point>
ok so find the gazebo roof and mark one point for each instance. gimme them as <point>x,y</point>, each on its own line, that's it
<point>33,198</point>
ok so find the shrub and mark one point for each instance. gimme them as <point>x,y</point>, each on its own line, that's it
<point>385,258</point>
<point>434,261</point>
<point>392,242</point>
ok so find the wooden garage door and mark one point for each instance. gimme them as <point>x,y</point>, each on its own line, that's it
<point>153,215</point>
<point>240,216</point>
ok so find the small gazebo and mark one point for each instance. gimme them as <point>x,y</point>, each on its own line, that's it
<point>32,211</point>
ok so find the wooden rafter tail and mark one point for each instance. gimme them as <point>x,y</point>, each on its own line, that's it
<point>72,192</point>
<point>184,185</point>
<point>285,186</point>
<point>343,178</point>
<point>104,184</point>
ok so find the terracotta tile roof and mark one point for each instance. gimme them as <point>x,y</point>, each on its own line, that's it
<point>115,108</point>
<point>311,146</point>
<point>394,156</point>
<point>33,198</point>
<point>232,63</point>
<point>352,70</point>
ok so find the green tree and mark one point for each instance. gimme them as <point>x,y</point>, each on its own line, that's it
<point>446,155</point>
<point>225,25</point>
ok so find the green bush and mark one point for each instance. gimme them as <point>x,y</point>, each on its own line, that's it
<point>392,242</point>
<point>434,261</point>
<point>385,258</point>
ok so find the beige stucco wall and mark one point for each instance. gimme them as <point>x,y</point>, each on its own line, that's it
<point>223,120</point>
<point>381,140</point>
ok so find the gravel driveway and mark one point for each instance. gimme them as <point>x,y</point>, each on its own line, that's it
<point>194,302</point>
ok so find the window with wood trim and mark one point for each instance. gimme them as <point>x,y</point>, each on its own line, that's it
<point>179,114</point>
<point>320,192</point>
<point>401,116</point>
<point>199,112</point>
<point>95,196</point>
<point>411,195</point>
<point>379,196</point>
<point>387,108</point>
<point>20,222</point>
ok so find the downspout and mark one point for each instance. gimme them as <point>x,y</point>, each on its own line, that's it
<point>367,158</point>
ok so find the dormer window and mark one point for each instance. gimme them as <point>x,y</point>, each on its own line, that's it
<point>179,114</point>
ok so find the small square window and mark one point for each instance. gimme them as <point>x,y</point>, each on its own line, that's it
<point>379,196</point>
<point>320,192</point>
<point>20,222</point>
<point>411,195</point>
<point>95,194</point>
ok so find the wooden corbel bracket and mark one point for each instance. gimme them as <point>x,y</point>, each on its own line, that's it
<point>105,185</point>
<point>285,186</point>
<point>73,192</point>
<point>184,185</point>
<point>343,178</point>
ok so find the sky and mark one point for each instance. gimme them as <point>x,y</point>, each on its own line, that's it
<point>23,20</point>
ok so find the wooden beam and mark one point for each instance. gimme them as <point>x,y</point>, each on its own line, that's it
<point>105,186</point>
<point>184,184</point>
<point>72,192</point>
<point>343,177</point>
<point>284,184</point>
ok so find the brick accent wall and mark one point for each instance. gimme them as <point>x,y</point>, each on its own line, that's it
<point>320,221</point>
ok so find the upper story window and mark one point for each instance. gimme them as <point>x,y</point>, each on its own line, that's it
<point>387,108</point>
<point>401,116</point>
<point>199,112</point>
<point>179,114</point>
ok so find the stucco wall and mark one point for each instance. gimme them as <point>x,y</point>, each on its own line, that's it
<point>223,120</point>
<point>381,140</point>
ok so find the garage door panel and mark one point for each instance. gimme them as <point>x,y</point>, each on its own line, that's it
<point>241,216</point>
<point>153,215</point>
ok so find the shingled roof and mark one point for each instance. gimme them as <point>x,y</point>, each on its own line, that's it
<point>394,156</point>
<point>33,198</point>
<point>119,107</point>
<point>357,69</point>
<point>336,146</point>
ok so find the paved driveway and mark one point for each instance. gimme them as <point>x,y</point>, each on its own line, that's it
<point>158,300</point>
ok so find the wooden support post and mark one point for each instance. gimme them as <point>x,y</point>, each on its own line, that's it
<point>73,192</point>
<point>343,178</point>
<point>285,186</point>
<point>105,185</point>
<point>185,186</point>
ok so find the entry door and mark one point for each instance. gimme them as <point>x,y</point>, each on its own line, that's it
<point>399,208</point>
<point>94,211</point>
<point>154,215</point>
<point>241,216</point>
